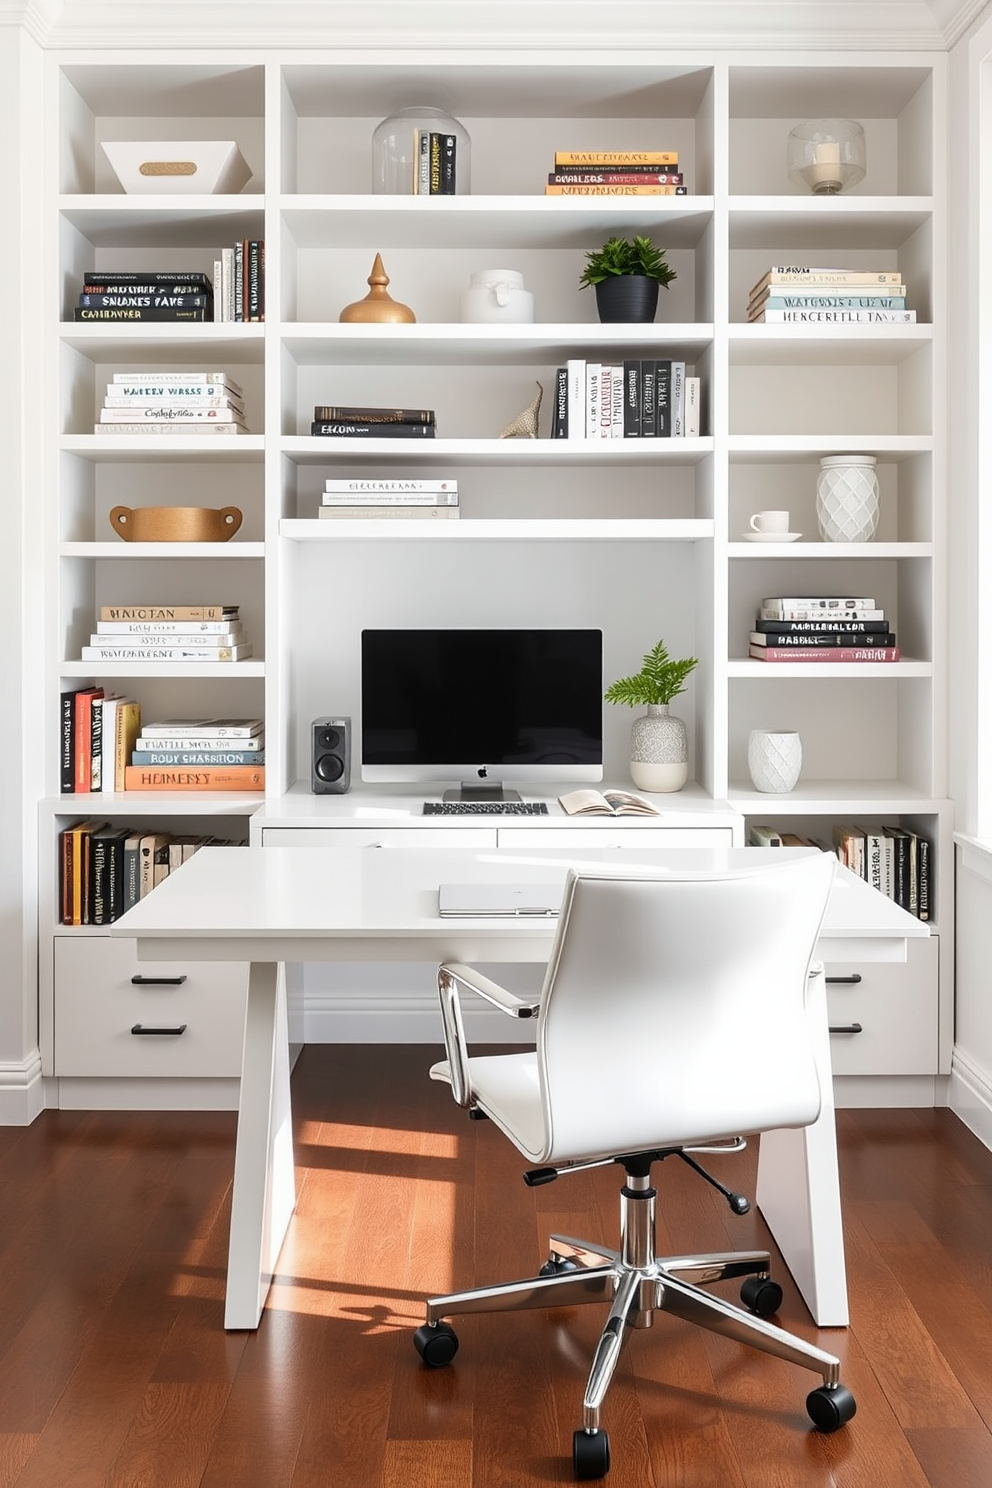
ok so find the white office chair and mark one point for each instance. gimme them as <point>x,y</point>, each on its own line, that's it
<point>672,1017</point>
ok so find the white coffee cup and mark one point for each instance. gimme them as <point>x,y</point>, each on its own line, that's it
<point>770,521</point>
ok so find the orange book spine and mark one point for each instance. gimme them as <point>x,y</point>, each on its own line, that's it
<point>157,778</point>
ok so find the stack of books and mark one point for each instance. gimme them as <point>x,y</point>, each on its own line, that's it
<point>616,173</point>
<point>892,859</point>
<point>239,276</point>
<point>97,731</point>
<point>636,399</point>
<point>357,497</point>
<point>104,870</point>
<point>340,421</point>
<point>173,403</point>
<point>823,627</point>
<point>792,294</point>
<point>134,294</point>
<point>168,633</point>
<point>198,754</point>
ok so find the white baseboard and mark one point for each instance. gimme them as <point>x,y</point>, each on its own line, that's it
<point>970,1097</point>
<point>23,1090</point>
<point>146,1095</point>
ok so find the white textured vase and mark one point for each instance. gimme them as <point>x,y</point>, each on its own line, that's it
<point>774,759</point>
<point>847,498</point>
<point>659,750</point>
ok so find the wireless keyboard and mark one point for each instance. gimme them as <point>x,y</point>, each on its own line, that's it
<point>485,808</point>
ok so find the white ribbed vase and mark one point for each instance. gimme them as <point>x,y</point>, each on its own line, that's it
<point>774,759</point>
<point>659,750</point>
<point>847,498</point>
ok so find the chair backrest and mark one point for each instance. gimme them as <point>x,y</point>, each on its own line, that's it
<point>674,1007</point>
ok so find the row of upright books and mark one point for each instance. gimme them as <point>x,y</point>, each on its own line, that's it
<point>649,398</point>
<point>893,860</point>
<point>795,294</point>
<point>105,746</point>
<point>348,421</point>
<point>168,633</point>
<point>616,173</point>
<point>822,628</point>
<point>104,870</point>
<point>173,403</point>
<point>390,498</point>
<point>236,293</point>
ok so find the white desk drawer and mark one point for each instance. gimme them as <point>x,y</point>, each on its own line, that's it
<point>97,1007</point>
<point>470,838</point>
<point>645,838</point>
<point>889,1012</point>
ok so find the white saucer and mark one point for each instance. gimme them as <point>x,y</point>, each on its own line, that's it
<point>771,536</point>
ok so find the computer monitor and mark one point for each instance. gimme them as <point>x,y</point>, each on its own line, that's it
<point>482,707</point>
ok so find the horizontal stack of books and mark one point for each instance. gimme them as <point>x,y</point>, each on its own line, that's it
<point>198,754</point>
<point>104,870</point>
<point>167,633</point>
<point>173,403</point>
<point>430,499</point>
<point>824,627</point>
<point>638,399</point>
<point>134,294</point>
<point>239,277</point>
<point>792,294</point>
<point>616,173</point>
<point>345,422</point>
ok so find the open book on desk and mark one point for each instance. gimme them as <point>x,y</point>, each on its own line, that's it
<point>606,803</point>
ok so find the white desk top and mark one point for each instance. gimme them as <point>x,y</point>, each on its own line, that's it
<point>314,902</point>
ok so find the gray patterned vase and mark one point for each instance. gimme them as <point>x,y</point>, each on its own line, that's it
<point>659,750</point>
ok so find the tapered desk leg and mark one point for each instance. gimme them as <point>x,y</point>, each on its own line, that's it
<point>798,1192</point>
<point>264,1177</point>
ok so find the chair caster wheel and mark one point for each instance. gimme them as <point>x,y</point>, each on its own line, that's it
<point>436,1343</point>
<point>830,1407</point>
<point>762,1295</point>
<point>556,1264</point>
<point>591,1454</point>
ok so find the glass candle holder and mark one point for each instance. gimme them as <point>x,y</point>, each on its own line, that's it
<point>421,151</point>
<point>826,155</point>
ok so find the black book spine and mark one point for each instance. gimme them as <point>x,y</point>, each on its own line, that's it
<point>115,876</point>
<point>663,399</point>
<point>448,145</point>
<point>67,744</point>
<point>631,400</point>
<point>357,428</point>
<point>828,638</point>
<point>824,627</point>
<point>923,876</point>
<point>127,299</point>
<point>649,407</point>
<point>114,287</point>
<point>167,276</point>
<point>99,908</point>
<point>136,312</point>
<point>559,429</point>
<point>253,288</point>
<point>331,413</point>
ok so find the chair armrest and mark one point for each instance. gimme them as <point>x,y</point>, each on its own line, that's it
<point>450,977</point>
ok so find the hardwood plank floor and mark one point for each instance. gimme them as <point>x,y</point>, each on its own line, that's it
<point>115,1370</point>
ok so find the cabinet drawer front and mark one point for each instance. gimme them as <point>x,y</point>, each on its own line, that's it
<point>421,837</point>
<point>646,838</point>
<point>895,1005</point>
<point>97,1005</point>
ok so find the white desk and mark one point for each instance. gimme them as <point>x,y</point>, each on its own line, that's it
<point>271,905</point>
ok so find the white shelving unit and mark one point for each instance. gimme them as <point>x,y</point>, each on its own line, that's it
<point>643,539</point>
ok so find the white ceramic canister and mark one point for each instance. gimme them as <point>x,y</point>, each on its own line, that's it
<point>497,297</point>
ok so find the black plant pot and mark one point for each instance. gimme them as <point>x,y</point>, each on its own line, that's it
<point>627,297</point>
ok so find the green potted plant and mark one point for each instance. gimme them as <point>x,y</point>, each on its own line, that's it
<point>659,746</point>
<point>626,273</point>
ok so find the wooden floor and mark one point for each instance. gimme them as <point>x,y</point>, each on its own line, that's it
<point>115,1371</point>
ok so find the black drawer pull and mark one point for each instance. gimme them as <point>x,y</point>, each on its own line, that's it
<point>846,1028</point>
<point>143,981</point>
<point>846,981</point>
<point>140,1028</point>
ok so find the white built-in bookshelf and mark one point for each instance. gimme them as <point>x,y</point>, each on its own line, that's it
<point>641,538</point>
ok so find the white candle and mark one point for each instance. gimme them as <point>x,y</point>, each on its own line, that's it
<point>825,168</point>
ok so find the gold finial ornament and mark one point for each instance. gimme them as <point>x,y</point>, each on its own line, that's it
<point>378,306</point>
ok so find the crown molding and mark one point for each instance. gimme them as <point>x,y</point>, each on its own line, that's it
<point>514,25</point>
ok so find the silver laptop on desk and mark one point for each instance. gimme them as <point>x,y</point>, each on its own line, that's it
<point>480,899</point>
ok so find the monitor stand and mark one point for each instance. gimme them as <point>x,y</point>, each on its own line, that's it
<point>470,790</point>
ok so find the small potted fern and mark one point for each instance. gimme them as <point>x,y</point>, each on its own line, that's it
<point>659,746</point>
<point>627,274</point>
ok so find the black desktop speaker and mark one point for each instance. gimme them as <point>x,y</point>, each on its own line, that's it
<point>330,756</point>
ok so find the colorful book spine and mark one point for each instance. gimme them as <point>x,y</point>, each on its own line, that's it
<point>579,177</point>
<point>205,778</point>
<point>825,654</point>
<point>831,302</point>
<point>616,191</point>
<point>212,757</point>
<point>836,317</point>
<point>617,158</point>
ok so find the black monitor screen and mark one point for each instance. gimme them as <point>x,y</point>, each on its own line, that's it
<point>446,702</point>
